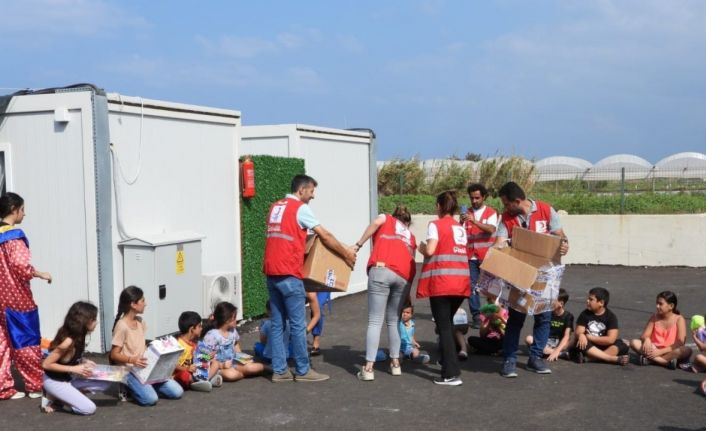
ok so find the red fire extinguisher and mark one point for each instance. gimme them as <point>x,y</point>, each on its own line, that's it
<point>248,178</point>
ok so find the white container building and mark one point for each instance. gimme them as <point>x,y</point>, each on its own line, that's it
<point>172,180</point>
<point>343,163</point>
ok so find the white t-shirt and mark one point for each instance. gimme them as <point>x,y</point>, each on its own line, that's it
<point>432,232</point>
<point>478,215</point>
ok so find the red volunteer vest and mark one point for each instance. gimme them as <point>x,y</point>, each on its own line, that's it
<point>538,222</point>
<point>393,248</point>
<point>284,247</point>
<point>478,241</point>
<point>446,273</point>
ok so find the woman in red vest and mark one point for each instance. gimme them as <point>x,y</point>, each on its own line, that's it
<point>445,280</point>
<point>391,269</point>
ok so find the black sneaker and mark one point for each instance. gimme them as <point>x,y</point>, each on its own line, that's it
<point>538,366</point>
<point>577,356</point>
<point>672,364</point>
<point>449,381</point>
<point>509,369</point>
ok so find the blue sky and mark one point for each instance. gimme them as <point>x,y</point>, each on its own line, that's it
<point>535,78</point>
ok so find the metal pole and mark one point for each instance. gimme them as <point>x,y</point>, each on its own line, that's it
<point>622,190</point>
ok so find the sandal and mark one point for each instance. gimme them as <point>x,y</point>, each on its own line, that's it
<point>315,351</point>
<point>623,360</point>
<point>46,405</point>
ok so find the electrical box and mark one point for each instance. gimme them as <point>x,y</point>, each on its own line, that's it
<point>167,267</point>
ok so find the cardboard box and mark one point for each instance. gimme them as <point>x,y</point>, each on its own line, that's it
<point>324,270</point>
<point>526,276</point>
<point>162,356</point>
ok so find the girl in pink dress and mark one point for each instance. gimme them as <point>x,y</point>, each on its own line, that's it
<point>19,318</point>
<point>662,341</point>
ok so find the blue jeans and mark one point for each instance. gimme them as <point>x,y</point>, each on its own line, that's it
<point>287,301</point>
<point>540,333</point>
<point>474,299</point>
<point>146,395</point>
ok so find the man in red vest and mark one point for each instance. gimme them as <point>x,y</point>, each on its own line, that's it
<point>480,225</point>
<point>540,217</point>
<point>288,222</point>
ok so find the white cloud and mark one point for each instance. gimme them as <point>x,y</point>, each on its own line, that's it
<point>290,40</point>
<point>350,44</point>
<point>303,80</point>
<point>77,17</point>
<point>236,47</point>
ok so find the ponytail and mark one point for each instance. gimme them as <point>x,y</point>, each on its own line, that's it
<point>222,313</point>
<point>128,296</point>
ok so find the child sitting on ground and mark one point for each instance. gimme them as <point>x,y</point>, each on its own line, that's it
<point>223,339</point>
<point>128,348</point>
<point>662,341</point>
<point>698,334</point>
<point>409,348</point>
<point>560,328</point>
<point>493,318</point>
<point>64,363</point>
<point>190,328</point>
<point>263,348</point>
<point>597,332</point>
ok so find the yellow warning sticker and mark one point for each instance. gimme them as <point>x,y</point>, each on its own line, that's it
<point>180,261</point>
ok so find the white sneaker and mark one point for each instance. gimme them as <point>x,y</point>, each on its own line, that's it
<point>34,395</point>
<point>366,376</point>
<point>450,381</point>
<point>18,396</point>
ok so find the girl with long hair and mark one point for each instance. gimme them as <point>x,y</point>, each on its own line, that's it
<point>662,341</point>
<point>65,360</point>
<point>129,348</point>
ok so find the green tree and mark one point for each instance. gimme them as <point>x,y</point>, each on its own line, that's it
<point>401,177</point>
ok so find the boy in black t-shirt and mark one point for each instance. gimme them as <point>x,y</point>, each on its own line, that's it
<point>560,328</point>
<point>597,332</point>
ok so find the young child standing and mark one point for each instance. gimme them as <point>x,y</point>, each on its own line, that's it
<point>597,332</point>
<point>560,328</point>
<point>129,347</point>
<point>64,359</point>
<point>190,328</point>
<point>662,341</point>
<point>223,339</point>
<point>409,348</point>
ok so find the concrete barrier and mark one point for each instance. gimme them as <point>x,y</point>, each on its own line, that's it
<point>630,240</point>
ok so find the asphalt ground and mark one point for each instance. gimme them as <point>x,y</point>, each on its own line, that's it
<point>587,396</point>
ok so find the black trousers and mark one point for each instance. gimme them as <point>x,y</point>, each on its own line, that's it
<point>443,309</point>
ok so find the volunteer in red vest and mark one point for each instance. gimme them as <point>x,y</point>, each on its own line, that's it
<point>480,225</point>
<point>539,217</point>
<point>288,222</point>
<point>445,280</point>
<point>391,269</point>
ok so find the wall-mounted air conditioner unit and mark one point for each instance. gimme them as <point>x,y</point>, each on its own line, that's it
<point>221,286</point>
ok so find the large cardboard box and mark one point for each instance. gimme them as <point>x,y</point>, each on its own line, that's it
<point>324,270</point>
<point>162,356</point>
<point>526,276</point>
